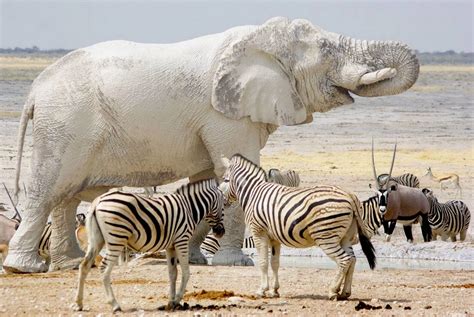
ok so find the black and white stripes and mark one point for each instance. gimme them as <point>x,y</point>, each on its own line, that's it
<point>448,219</point>
<point>326,216</point>
<point>120,220</point>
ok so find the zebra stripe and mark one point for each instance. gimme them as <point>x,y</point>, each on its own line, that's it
<point>45,240</point>
<point>120,220</point>
<point>448,219</point>
<point>288,178</point>
<point>300,218</point>
<point>406,179</point>
<point>371,215</point>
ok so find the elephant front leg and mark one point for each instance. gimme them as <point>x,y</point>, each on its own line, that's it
<point>230,251</point>
<point>65,252</point>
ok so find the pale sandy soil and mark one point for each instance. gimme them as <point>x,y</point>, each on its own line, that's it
<point>433,125</point>
<point>142,289</point>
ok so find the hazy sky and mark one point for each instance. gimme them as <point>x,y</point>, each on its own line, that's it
<point>424,25</point>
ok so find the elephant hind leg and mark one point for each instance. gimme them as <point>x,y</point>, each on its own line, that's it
<point>65,252</point>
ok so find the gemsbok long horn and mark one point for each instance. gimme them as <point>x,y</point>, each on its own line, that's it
<point>393,162</point>
<point>17,215</point>
<point>373,165</point>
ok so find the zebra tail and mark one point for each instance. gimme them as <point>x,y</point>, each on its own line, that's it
<point>367,248</point>
<point>95,238</point>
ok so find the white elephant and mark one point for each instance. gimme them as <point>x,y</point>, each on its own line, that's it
<point>127,114</point>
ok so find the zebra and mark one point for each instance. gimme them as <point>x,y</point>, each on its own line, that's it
<point>119,219</point>
<point>289,178</point>
<point>447,219</point>
<point>45,240</point>
<point>407,179</point>
<point>211,244</point>
<point>323,215</point>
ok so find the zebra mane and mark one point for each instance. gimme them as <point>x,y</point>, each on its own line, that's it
<point>258,168</point>
<point>189,187</point>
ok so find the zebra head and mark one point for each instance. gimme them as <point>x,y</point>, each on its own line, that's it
<point>215,217</point>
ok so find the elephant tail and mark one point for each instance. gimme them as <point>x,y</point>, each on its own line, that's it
<point>26,115</point>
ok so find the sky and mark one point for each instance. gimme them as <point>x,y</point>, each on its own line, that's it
<point>423,25</point>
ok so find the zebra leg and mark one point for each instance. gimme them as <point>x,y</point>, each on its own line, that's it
<point>84,269</point>
<point>462,235</point>
<point>261,243</point>
<point>408,233</point>
<point>426,228</point>
<point>111,259</point>
<point>453,238</point>
<point>343,260</point>
<point>183,257</point>
<point>172,262</point>
<point>275,263</point>
<point>347,289</point>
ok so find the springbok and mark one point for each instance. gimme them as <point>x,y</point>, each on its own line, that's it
<point>402,203</point>
<point>445,180</point>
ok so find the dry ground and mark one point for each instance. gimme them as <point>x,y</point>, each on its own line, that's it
<point>142,289</point>
<point>433,125</point>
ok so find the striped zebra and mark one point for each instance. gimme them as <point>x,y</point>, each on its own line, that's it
<point>289,178</point>
<point>118,220</point>
<point>323,215</point>
<point>406,179</point>
<point>447,219</point>
<point>45,239</point>
<point>211,244</point>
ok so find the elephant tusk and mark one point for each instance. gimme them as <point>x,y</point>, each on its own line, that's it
<point>378,75</point>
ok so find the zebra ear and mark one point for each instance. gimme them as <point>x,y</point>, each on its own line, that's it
<point>225,161</point>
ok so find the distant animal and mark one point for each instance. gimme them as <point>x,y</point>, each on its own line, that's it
<point>323,215</point>
<point>401,203</point>
<point>45,240</point>
<point>448,179</point>
<point>120,220</point>
<point>289,178</point>
<point>407,179</point>
<point>448,219</point>
<point>8,227</point>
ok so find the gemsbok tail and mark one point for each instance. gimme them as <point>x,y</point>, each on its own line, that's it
<point>367,246</point>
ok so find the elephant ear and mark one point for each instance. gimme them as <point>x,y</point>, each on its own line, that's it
<point>254,76</point>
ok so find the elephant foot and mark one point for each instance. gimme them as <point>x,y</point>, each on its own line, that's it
<point>24,262</point>
<point>65,264</point>
<point>231,257</point>
<point>196,257</point>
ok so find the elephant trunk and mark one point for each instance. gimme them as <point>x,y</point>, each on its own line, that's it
<point>392,67</point>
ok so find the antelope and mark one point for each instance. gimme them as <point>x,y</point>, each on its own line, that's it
<point>402,203</point>
<point>445,179</point>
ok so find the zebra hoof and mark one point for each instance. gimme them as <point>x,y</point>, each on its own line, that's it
<point>333,297</point>
<point>116,309</point>
<point>387,238</point>
<point>343,296</point>
<point>76,307</point>
<point>274,294</point>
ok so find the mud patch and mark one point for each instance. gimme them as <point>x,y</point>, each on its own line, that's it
<point>468,285</point>
<point>134,281</point>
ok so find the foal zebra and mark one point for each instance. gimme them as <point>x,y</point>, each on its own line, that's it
<point>288,178</point>
<point>323,215</point>
<point>448,219</point>
<point>120,220</point>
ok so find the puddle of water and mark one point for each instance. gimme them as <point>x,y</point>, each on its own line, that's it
<point>382,263</point>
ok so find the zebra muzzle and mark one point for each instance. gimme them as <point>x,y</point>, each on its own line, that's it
<point>218,230</point>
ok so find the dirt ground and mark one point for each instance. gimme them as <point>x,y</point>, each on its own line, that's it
<point>432,123</point>
<point>229,291</point>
